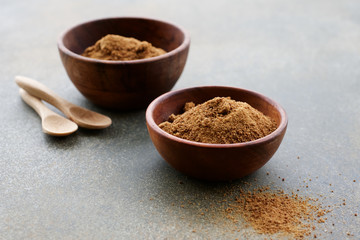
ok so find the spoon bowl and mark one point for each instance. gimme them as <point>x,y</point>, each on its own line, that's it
<point>88,119</point>
<point>57,125</point>
<point>52,123</point>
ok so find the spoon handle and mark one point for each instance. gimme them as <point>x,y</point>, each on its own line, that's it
<point>39,90</point>
<point>35,103</point>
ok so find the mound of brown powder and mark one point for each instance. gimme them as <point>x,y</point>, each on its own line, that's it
<point>219,120</point>
<point>115,47</point>
<point>278,213</point>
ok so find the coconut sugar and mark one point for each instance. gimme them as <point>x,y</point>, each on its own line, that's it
<point>220,120</point>
<point>275,212</point>
<point>119,48</point>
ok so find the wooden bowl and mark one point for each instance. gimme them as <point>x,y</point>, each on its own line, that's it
<point>124,84</point>
<point>214,161</point>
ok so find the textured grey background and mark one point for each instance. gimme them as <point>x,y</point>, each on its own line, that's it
<point>112,184</point>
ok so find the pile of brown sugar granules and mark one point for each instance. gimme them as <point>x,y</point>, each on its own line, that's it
<point>115,47</point>
<point>275,212</point>
<point>220,120</point>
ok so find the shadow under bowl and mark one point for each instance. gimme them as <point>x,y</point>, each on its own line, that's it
<point>214,161</point>
<point>124,85</point>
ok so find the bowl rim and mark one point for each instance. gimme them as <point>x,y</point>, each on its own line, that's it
<point>183,45</point>
<point>279,130</point>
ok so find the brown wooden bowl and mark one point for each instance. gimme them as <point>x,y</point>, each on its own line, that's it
<point>214,161</point>
<point>124,84</point>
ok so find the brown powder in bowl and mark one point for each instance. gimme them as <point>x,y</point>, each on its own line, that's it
<point>219,120</point>
<point>119,48</point>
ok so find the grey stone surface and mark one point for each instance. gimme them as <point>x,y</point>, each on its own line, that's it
<point>112,184</point>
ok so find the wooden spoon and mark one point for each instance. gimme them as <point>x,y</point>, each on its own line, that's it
<point>52,123</point>
<point>81,116</point>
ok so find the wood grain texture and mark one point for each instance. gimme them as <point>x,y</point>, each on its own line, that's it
<point>124,84</point>
<point>214,161</point>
